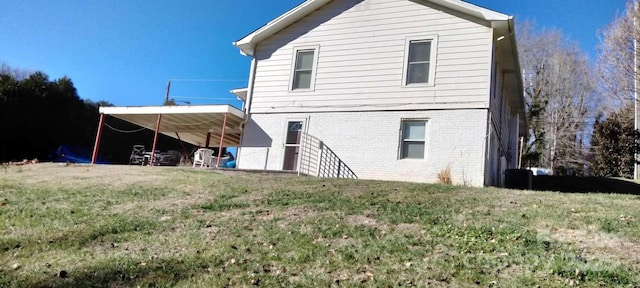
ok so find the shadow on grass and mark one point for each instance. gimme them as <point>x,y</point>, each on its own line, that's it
<point>110,230</point>
<point>157,273</point>
<point>572,184</point>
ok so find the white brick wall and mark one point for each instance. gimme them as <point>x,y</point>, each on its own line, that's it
<point>368,142</point>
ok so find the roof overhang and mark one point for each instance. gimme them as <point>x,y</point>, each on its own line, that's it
<point>192,124</point>
<point>509,59</point>
<point>241,93</point>
<point>248,43</point>
<point>471,10</point>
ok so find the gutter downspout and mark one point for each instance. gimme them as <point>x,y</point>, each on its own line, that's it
<point>487,139</point>
<point>487,151</point>
<point>247,105</point>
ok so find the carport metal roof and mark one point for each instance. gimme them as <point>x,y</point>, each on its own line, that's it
<point>192,123</point>
<point>195,124</point>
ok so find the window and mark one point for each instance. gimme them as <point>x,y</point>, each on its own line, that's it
<point>419,56</point>
<point>414,135</point>
<point>304,68</point>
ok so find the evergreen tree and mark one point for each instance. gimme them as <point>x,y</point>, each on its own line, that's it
<point>613,145</point>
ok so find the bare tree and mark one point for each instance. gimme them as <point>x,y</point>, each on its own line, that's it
<point>617,65</point>
<point>559,94</point>
<point>18,74</point>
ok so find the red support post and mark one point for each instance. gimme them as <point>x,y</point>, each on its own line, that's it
<point>224,125</point>
<point>155,141</point>
<point>208,140</point>
<point>96,146</point>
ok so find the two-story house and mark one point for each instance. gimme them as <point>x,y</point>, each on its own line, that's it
<point>384,89</point>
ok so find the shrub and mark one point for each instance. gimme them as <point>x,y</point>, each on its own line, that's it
<point>444,177</point>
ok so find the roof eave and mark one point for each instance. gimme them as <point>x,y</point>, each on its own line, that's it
<point>472,10</point>
<point>171,109</point>
<point>240,93</point>
<point>521,101</point>
<point>507,29</point>
<point>246,49</point>
<point>247,44</point>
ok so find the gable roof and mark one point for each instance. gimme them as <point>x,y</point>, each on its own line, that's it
<point>247,43</point>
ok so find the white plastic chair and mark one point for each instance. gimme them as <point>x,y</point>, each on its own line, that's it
<point>202,157</point>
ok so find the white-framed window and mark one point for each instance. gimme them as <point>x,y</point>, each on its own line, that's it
<point>413,139</point>
<point>303,71</point>
<point>420,59</point>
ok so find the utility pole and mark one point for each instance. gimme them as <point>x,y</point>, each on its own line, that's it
<point>166,96</point>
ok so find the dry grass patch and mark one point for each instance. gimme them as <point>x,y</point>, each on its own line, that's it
<point>444,176</point>
<point>165,204</point>
<point>63,175</point>
<point>599,245</point>
<point>362,220</point>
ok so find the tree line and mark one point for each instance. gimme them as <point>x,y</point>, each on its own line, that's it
<point>581,112</point>
<point>38,114</point>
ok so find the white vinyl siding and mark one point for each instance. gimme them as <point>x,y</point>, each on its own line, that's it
<point>414,136</point>
<point>362,63</point>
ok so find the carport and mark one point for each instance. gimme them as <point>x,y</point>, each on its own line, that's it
<point>199,125</point>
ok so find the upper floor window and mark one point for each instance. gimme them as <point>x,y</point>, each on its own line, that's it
<point>304,68</point>
<point>419,61</point>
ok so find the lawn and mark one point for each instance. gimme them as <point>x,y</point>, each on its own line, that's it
<point>119,226</point>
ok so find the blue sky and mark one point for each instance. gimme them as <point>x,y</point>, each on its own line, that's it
<point>124,51</point>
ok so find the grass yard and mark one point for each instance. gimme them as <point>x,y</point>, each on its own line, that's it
<point>119,226</point>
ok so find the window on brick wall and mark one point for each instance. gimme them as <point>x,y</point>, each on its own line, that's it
<point>414,137</point>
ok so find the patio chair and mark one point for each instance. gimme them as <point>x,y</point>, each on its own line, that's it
<point>202,157</point>
<point>169,158</point>
<point>137,155</point>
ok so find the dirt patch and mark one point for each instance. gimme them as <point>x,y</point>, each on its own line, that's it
<point>356,220</point>
<point>251,197</point>
<point>210,232</point>
<point>334,244</point>
<point>406,227</point>
<point>164,204</point>
<point>599,245</point>
<point>290,215</point>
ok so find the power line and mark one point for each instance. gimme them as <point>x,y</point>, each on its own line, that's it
<point>123,131</point>
<point>209,80</point>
